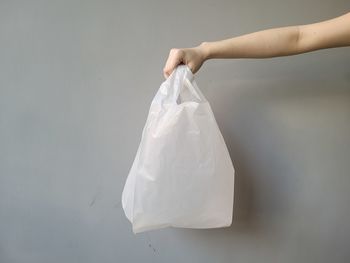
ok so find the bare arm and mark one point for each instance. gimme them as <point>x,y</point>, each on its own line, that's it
<point>268,43</point>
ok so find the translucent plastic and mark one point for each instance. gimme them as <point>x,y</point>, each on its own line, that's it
<point>182,175</point>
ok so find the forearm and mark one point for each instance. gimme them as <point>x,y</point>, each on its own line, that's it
<point>262,44</point>
<point>283,41</point>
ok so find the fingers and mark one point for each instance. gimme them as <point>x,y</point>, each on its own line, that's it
<point>175,58</point>
<point>191,57</point>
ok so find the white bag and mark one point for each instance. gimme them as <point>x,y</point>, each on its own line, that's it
<point>182,175</point>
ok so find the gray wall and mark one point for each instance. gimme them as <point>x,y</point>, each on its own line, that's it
<point>76,81</point>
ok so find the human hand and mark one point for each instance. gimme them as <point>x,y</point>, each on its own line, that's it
<point>192,57</point>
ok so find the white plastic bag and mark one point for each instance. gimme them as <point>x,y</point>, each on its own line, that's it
<point>182,175</point>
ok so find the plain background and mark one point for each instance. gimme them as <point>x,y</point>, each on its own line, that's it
<point>76,81</point>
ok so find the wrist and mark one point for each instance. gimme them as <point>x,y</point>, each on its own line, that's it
<point>204,48</point>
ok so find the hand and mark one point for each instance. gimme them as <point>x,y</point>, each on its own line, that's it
<point>192,57</point>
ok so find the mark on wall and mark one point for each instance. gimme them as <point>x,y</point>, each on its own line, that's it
<point>94,199</point>
<point>150,245</point>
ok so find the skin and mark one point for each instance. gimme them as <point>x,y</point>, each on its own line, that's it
<point>276,42</point>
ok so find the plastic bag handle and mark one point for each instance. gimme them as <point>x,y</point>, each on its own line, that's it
<point>187,83</point>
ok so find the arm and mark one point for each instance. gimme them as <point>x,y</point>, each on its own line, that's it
<point>283,41</point>
<point>268,43</point>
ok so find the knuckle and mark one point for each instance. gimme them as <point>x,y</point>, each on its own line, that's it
<point>175,51</point>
